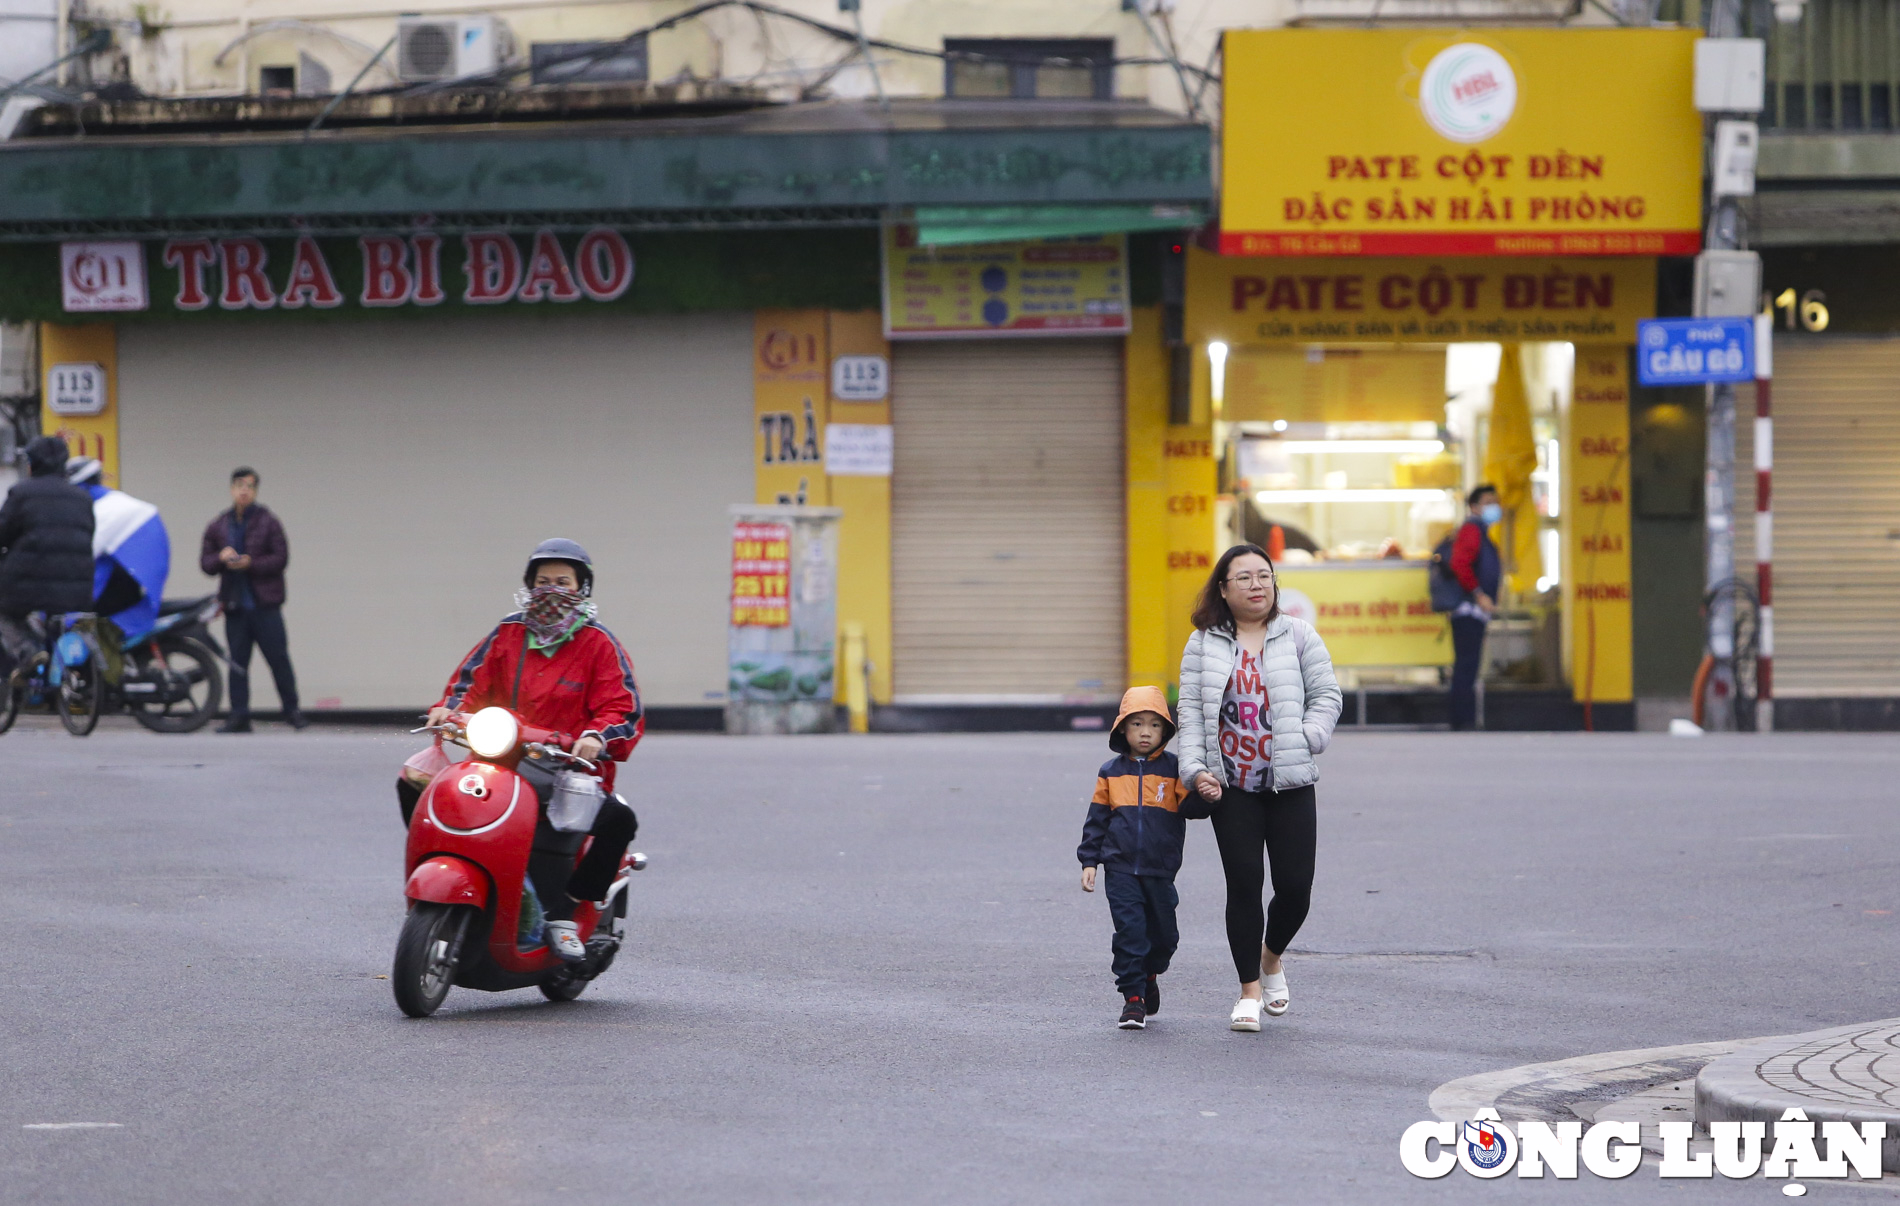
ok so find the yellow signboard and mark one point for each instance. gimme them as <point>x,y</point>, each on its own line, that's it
<point>1461,142</point>
<point>1068,286</point>
<point>88,351</point>
<point>789,372</point>
<point>1335,385</point>
<point>1596,505</point>
<point>1243,302</point>
<point>1369,614</point>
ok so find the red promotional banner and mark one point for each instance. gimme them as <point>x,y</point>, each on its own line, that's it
<point>761,575</point>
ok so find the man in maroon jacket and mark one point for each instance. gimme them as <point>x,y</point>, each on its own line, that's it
<point>245,548</point>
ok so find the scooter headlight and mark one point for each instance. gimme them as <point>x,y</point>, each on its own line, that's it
<point>492,732</point>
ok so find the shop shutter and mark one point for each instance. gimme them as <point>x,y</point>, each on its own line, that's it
<point>415,460</point>
<point>1837,514</point>
<point>1006,551</point>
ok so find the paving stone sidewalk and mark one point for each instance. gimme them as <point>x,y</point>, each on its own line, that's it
<point>1848,1073</point>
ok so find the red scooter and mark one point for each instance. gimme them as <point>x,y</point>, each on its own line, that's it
<point>470,838</point>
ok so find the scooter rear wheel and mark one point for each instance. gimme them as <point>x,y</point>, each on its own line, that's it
<point>424,970</point>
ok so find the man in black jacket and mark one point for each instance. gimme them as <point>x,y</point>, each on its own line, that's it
<point>45,550</point>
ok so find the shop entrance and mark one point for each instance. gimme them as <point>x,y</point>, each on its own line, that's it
<point>1350,463</point>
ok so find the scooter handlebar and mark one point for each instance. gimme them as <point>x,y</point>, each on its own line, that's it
<point>537,742</point>
<point>545,750</point>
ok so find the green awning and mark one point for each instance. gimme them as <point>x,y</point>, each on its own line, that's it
<point>948,225</point>
<point>1058,168</point>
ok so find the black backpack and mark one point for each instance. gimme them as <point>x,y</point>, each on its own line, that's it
<point>1447,591</point>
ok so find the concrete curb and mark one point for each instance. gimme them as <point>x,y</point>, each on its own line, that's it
<point>1843,1074</point>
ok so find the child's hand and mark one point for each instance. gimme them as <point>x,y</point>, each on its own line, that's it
<point>1208,786</point>
<point>1088,879</point>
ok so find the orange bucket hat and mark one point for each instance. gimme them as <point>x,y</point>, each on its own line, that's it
<point>1141,699</point>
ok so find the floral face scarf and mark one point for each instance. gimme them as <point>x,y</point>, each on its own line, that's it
<point>552,614</point>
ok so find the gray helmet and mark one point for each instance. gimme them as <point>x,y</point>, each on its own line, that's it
<point>561,550</point>
<point>83,469</point>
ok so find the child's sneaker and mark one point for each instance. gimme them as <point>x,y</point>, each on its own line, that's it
<point>1134,1014</point>
<point>1152,1000</point>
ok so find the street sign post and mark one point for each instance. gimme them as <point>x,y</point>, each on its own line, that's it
<point>1695,351</point>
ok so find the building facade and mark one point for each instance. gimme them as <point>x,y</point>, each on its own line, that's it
<point>603,281</point>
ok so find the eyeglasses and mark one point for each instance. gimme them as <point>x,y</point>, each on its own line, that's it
<point>1263,578</point>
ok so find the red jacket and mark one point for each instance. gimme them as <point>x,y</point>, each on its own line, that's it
<point>1475,560</point>
<point>585,687</point>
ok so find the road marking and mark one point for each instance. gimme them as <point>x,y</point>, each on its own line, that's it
<point>71,1126</point>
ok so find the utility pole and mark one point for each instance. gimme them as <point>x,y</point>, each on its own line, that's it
<point>1723,234</point>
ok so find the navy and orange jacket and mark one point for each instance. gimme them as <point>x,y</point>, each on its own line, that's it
<point>586,687</point>
<point>1138,818</point>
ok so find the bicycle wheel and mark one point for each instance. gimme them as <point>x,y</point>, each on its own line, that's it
<point>82,693</point>
<point>10,700</point>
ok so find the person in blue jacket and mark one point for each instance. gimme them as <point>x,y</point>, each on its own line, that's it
<point>1136,824</point>
<point>132,554</point>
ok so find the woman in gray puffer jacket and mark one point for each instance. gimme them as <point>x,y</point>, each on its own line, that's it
<point>1258,704</point>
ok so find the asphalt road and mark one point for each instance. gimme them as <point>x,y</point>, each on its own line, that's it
<point>861,971</point>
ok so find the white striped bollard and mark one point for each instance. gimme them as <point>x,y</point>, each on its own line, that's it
<point>1764,525</point>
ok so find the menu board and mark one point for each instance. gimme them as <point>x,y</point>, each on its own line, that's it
<point>1063,286</point>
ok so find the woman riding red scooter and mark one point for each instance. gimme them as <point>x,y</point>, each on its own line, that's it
<point>557,669</point>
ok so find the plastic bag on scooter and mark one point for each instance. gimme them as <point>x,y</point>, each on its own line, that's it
<point>529,921</point>
<point>425,765</point>
<point>575,802</point>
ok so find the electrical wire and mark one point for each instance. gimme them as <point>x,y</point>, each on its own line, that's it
<point>609,49</point>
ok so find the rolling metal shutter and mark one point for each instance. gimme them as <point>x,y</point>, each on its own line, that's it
<point>1006,552</point>
<point>415,461</point>
<point>1837,514</point>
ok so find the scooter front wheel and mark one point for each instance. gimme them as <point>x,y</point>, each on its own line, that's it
<point>424,970</point>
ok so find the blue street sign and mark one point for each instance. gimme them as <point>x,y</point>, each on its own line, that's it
<point>1695,351</point>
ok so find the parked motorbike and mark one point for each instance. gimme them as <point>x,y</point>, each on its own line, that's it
<point>470,838</point>
<point>171,681</point>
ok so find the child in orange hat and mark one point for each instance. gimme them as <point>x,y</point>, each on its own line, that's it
<point>1137,822</point>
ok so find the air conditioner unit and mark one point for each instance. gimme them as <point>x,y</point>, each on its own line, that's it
<point>447,48</point>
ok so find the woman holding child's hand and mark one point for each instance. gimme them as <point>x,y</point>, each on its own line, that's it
<point>1258,703</point>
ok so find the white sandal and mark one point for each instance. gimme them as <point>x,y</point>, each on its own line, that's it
<point>1273,994</point>
<point>1246,1015</point>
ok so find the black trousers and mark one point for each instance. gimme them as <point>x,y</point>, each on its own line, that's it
<point>1253,828</point>
<point>264,628</point>
<point>1467,656</point>
<point>613,832</point>
<point>17,642</point>
<point>1142,907</point>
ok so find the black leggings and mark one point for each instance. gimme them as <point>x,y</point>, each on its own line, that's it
<point>1283,825</point>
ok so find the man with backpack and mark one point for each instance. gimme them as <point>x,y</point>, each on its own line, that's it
<point>1466,586</point>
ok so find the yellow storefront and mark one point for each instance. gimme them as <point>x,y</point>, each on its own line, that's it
<point>1429,280</point>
